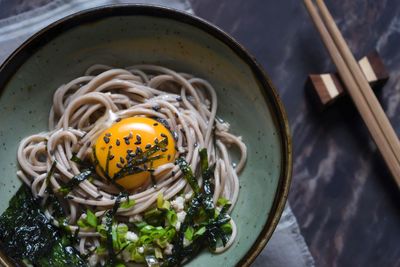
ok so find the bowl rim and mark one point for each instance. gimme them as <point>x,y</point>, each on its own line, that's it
<point>44,36</point>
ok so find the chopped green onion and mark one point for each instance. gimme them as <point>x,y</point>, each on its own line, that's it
<point>170,233</point>
<point>145,239</point>
<point>172,218</point>
<point>189,233</point>
<point>82,224</point>
<point>122,229</point>
<point>222,201</point>
<point>154,216</point>
<point>136,256</point>
<point>91,218</point>
<point>158,253</point>
<point>141,224</point>
<point>160,200</point>
<point>200,232</point>
<point>101,250</point>
<point>101,229</point>
<point>128,204</point>
<point>227,228</point>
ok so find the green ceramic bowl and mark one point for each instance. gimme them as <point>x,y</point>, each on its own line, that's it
<point>127,35</point>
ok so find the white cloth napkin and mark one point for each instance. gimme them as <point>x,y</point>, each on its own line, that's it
<point>286,247</point>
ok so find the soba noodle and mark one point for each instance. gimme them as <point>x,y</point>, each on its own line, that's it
<point>86,106</point>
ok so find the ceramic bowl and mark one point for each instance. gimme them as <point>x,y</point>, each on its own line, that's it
<point>127,35</point>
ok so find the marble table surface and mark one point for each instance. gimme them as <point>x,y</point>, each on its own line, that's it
<point>346,204</point>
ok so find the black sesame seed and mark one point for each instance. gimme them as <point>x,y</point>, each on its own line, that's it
<point>121,159</point>
<point>119,165</point>
<point>156,140</point>
<point>106,139</point>
<point>138,138</point>
<point>118,120</point>
<point>117,142</point>
<point>127,141</point>
<point>138,150</point>
<point>111,157</point>
<point>108,134</point>
<point>130,135</point>
<point>164,149</point>
<point>137,143</point>
<point>147,146</point>
<point>155,124</point>
<point>169,157</point>
<point>163,135</point>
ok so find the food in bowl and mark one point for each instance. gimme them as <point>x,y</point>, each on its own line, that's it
<point>135,167</point>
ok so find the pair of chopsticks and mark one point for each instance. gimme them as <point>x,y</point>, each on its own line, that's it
<point>358,87</point>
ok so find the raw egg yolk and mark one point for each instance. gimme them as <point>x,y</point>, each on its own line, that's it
<point>130,139</point>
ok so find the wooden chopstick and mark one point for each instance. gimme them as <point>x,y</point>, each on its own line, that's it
<point>362,95</point>
<point>362,82</point>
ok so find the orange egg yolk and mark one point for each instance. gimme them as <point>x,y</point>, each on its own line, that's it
<point>131,149</point>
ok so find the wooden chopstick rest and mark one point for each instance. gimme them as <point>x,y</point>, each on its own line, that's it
<point>328,87</point>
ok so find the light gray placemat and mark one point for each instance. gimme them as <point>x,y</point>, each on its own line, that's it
<point>286,247</point>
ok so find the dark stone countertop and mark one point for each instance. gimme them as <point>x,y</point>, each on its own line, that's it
<point>345,202</point>
<point>344,199</point>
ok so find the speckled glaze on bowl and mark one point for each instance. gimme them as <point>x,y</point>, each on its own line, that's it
<point>127,35</point>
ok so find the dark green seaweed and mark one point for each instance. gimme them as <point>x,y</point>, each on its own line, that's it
<point>188,174</point>
<point>109,215</point>
<point>80,162</point>
<point>202,201</point>
<point>207,173</point>
<point>76,180</point>
<point>52,199</point>
<point>27,234</point>
<point>139,158</point>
